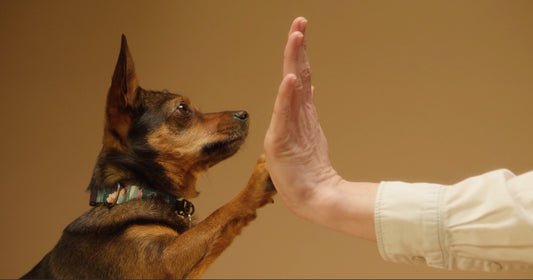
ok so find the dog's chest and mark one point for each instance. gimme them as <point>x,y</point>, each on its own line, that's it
<point>103,219</point>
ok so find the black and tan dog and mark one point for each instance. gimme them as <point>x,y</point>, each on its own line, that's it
<point>155,145</point>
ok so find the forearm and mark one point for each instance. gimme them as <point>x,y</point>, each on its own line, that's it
<point>346,207</point>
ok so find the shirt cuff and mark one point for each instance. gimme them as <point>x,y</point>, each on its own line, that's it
<point>408,223</point>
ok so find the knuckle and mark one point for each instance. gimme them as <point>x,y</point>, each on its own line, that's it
<point>305,73</point>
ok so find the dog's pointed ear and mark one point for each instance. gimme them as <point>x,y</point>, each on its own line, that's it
<point>124,78</point>
<point>122,99</point>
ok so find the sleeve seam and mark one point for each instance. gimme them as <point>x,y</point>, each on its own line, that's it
<point>379,222</point>
<point>441,227</point>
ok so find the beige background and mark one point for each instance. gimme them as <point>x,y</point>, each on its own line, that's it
<point>432,91</point>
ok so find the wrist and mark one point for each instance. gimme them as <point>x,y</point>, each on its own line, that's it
<point>315,190</point>
<point>346,207</point>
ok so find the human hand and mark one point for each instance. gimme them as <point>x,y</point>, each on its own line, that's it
<point>297,153</point>
<point>295,146</point>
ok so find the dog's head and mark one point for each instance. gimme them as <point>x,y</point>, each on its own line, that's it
<point>158,139</point>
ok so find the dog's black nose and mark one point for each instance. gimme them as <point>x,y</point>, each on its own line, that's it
<point>241,115</point>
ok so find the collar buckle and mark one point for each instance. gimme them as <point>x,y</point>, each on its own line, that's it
<point>185,209</point>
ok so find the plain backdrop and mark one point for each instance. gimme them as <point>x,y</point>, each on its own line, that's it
<point>417,91</point>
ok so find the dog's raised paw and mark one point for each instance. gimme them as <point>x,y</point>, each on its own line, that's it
<point>260,189</point>
<point>269,186</point>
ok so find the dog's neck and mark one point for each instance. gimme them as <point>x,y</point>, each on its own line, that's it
<point>122,194</point>
<point>135,166</point>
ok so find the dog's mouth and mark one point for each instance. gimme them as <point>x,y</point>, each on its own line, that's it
<point>217,151</point>
<point>223,147</point>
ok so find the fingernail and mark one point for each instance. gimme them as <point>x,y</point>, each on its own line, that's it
<point>292,77</point>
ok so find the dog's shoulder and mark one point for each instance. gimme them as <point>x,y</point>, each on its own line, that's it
<point>110,220</point>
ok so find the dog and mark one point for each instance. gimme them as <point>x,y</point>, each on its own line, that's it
<point>155,145</point>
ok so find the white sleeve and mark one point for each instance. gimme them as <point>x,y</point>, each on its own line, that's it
<point>482,223</point>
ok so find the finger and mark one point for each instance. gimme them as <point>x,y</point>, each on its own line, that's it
<point>298,24</point>
<point>304,72</point>
<point>291,55</point>
<point>282,112</point>
<point>296,33</point>
<point>296,61</point>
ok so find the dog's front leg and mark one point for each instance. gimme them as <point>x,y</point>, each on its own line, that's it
<point>202,244</point>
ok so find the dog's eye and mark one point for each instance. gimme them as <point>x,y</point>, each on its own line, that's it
<point>184,109</point>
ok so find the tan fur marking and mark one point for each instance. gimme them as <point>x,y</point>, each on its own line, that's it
<point>145,232</point>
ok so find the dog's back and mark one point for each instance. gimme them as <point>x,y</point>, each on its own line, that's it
<point>40,271</point>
